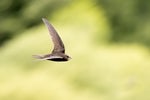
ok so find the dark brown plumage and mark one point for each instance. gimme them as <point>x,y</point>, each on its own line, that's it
<point>58,53</point>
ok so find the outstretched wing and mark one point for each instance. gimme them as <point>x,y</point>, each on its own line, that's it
<point>46,57</point>
<point>58,44</point>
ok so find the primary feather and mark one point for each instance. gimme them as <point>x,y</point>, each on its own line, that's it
<point>58,44</point>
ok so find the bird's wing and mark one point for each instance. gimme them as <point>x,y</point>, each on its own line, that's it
<point>45,57</point>
<point>58,44</point>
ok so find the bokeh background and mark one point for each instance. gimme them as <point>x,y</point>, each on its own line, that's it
<point>108,40</point>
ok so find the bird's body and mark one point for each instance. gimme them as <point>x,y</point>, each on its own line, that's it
<point>53,57</point>
<point>58,53</point>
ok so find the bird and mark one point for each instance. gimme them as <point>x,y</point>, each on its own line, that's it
<point>58,52</point>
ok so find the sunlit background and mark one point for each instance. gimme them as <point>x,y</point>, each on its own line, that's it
<point>108,40</point>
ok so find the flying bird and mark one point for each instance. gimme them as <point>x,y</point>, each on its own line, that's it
<point>58,53</point>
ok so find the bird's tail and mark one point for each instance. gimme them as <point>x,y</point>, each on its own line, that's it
<point>37,56</point>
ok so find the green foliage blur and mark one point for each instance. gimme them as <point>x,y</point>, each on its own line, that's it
<point>107,40</point>
<point>129,20</point>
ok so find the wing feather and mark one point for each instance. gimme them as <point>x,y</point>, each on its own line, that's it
<point>58,44</point>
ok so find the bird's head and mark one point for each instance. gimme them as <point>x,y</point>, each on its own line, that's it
<point>68,57</point>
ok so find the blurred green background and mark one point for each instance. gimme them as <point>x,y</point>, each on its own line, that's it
<point>108,41</point>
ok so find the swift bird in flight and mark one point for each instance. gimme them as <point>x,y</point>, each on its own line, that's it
<point>58,53</point>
